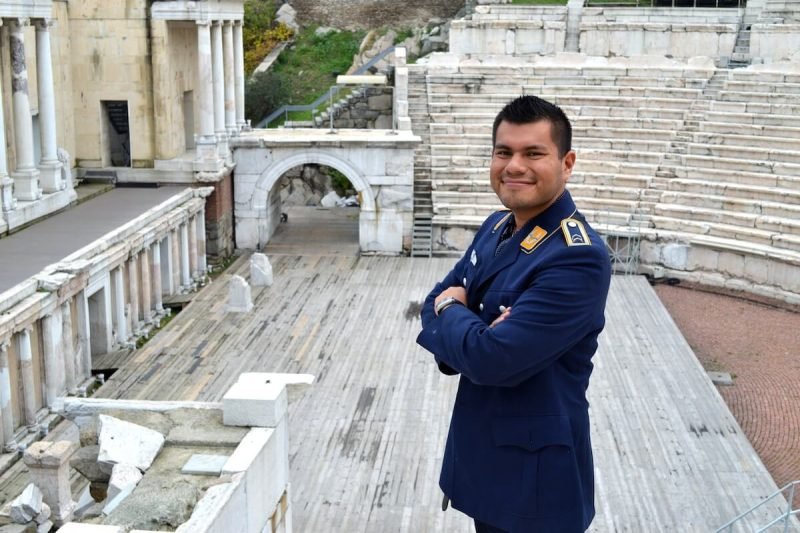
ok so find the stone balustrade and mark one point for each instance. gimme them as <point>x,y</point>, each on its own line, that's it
<point>99,299</point>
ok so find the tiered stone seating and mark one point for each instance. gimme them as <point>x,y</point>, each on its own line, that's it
<point>624,120</point>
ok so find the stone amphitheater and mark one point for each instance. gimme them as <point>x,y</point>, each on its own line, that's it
<point>689,161</point>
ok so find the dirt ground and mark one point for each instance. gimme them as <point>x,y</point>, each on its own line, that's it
<point>759,346</point>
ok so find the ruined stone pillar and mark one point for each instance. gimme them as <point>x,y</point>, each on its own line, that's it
<point>26,369</point>
<point>175,252</point>
<point>120,323</point>
<point>219,89</point>
<point>206,142</point>
<point>9,444</point>
<point>53,363</point>
<point>155,277</point>
<point>168,278</point>
<point>238,74</point>
<point>133,292</point>
<point>48,464</point>
<point>68,347</point>
<point>230,94</point>
<point>49,166</point>
<point>186,277</point>
<point>6,183</point>
<point>201,243</point>
<point>144,271</point>
<point>83,357</point>
<point>191,232</point>
<point>26,175</point>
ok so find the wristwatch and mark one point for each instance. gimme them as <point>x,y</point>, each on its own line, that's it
<point>445,303</point>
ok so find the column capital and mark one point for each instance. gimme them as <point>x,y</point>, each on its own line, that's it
<point>205,22</point>
<point>216,23</point>
<point>18,23</point>
<point>5,344</point>
<point>44,24</point>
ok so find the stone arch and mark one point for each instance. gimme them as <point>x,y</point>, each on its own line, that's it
<point>272,174</point>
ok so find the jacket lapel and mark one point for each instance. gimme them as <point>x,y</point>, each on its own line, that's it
<point>549,221</point>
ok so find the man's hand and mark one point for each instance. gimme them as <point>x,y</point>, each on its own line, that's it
<point>459,293</point>
<point>505,314</point>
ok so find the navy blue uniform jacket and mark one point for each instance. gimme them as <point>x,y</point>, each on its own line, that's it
<point>518,454</point>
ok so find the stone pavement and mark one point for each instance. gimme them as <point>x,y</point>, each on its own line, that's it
<point>759,346</point>
<point>28,251</point>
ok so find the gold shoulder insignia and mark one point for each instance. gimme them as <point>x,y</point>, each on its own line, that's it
<point>575,233</point>
<point>533,238</point>
<point>502,220</point>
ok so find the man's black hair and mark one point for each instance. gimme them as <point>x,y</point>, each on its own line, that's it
<point>529,108</point>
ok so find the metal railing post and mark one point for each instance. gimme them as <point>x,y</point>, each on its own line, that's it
<point>788,509</point>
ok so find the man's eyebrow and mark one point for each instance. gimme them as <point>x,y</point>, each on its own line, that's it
<point>541,147</point>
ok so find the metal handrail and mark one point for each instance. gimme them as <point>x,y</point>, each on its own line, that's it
<point>329,94</point>
<point>784,516</point>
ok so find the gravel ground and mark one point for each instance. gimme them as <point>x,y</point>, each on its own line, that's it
<point>759,346</point>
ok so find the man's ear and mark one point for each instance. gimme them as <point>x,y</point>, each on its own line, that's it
<point>567,164</point>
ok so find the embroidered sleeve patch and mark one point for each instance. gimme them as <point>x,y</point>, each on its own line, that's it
<point>575,233</point>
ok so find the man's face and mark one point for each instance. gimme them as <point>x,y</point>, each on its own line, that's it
<point>526,172</point>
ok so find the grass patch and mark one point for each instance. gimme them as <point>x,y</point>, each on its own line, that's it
<point>304,71</point>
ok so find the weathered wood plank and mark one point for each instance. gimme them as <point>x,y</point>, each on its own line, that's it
<point>366,439</point>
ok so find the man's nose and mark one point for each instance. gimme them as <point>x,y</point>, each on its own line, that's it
<point>516,164</point>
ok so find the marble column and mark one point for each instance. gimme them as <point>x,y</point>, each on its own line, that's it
<point>147,289</point>
<point>191,232</point>
<point>133,292</point>
<point>175,252</point>
<point>186,278</point>
<point>219,89</point>
<point>83,357</point>
<point>28,387</point>
<point>201,243</point>
<point>53,363</point>
<point>228,65</point>
<point>26,175</point>
<point>167,277</point>
<point>118,316</point>
<point>68,347</point>
<point>158,305</point>
<point>49,166</point>
<point>238,74</point>
<point>6,409</point>
<point>6,183</point>
<point>206,142</point>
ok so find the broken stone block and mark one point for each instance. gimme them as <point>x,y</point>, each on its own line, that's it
<point>44,527</point>
<point>239,299</point>
<point>44,516</point>
<point>48,464</point>
<point>85,502</point>
<point>260,270</point>
<point>123,442</point>
<point>204,465</point>
<point>85,462</point>
<point>19,528</point>
<point>27,505</point>
<point>124,478</point>
<point>254,404</point>
<point>330,199</point>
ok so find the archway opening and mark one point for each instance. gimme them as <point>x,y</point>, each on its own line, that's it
<point>319,212</point>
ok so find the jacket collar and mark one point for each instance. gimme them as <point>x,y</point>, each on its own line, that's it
<point>549,221</point>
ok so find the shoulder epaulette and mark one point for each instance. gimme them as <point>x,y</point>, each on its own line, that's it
<point>574,232</point>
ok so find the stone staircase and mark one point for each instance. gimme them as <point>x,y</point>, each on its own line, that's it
<point>741,50</point>
<point>421,237</point>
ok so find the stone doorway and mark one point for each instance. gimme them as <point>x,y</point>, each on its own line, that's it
<point>116,134</point>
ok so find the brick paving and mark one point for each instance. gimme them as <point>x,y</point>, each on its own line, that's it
<point>760,347</point>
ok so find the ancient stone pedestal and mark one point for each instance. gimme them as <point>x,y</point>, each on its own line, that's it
<point>260,271</point>
<point>48,463</point>
<point>239,299</point>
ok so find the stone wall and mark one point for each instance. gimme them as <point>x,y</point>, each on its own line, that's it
<point>219,220</point>
<point>370,109</point>
<point>770,43</point>
<point>111,61</point>
<point>368,14</point>
<point>174,74</point>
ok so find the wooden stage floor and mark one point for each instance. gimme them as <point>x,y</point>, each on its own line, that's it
<point>366,438</point>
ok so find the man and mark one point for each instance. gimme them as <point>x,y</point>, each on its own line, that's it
<point>518,317</point>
